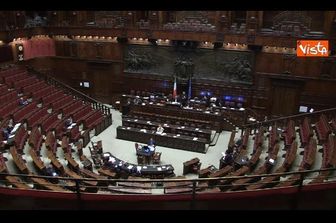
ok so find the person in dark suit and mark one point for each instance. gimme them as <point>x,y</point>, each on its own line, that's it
<point>228,159</point>
<point>5,133</point>
<point>151,142</point>
<point>68,122</point>
<point>50,171</point>
<point>184,99</point>
<point>23,102</point>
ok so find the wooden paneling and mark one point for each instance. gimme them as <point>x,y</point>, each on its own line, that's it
<point>285,97</point>
<point>102,65</point>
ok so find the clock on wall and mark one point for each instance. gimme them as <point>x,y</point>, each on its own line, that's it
<point>20,54</point>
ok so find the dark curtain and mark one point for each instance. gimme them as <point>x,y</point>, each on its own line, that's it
<point>6,53</point>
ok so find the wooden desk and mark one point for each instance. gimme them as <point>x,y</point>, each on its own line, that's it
<point>203,173</point>
<point>90,174</point>
<point>107,172</point>
<point>55,161</point>
<point>129,190</point>
<point>168,128</point>
<point>43,183</point>
<point>150,171</point>
<point>168,140</point>
<point>189,165</point>
<point>213,117</point>
<point>221,172</point>
<point>177,190</point>
<point>37,160</point>
<point>87,164</point>
<point>136,184</point>
<point>17,182</point>
<point>19,162</point>
<point>71,162</point>
<point>76,176</point>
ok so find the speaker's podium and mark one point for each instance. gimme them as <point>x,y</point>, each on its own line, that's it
<point>191,166</point>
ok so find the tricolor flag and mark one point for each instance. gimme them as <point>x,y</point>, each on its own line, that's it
<point>174,90</point>
<point>189,89</point>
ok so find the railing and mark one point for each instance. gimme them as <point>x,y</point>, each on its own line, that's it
<point>95,104</point>
<point>296,118</point>
<point>79,188</point>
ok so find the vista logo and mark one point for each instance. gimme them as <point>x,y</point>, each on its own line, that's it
<point>312,48</point>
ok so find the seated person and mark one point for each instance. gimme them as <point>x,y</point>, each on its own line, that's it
<point>238,143</point>
<point>152,98</point>
<point>68,122</point>
<point>50,171</point>
<point>5,134</point>
<point>9,128</point>
<point>23,101</point>
<point>159,129</point>
<point>137,100</point>
<point>218,103</point>
<point>228,158</point>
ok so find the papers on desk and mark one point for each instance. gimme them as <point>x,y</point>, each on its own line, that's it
<point>216,113</point>
<point>106,155</point>
<point>163,167</point>
<point>195,138</point>
<point>16,126</point>
<point>143,130</point>
<point>143,104</point>
<point>242,109</point>
<point>166,125</point>
<point>129,120</point>
<point>112,159</point>
<point>182,127</point>
<point>130,167</point>
<point>145,167</point>
<point>135,120</point>
<point>207,112</point>
<point>71,126</point>
<point>124,95</point>
<point>149,122</point>
<point>178,135</point>
<point>252,119</point>
<point>150,103</point>
<point>163,134</point>
<point>159,168</point>
<point>151,148</point>
<point>196,129</point>
<point>128,127</point>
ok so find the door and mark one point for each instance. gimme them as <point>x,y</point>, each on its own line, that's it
<point>285,97</point>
